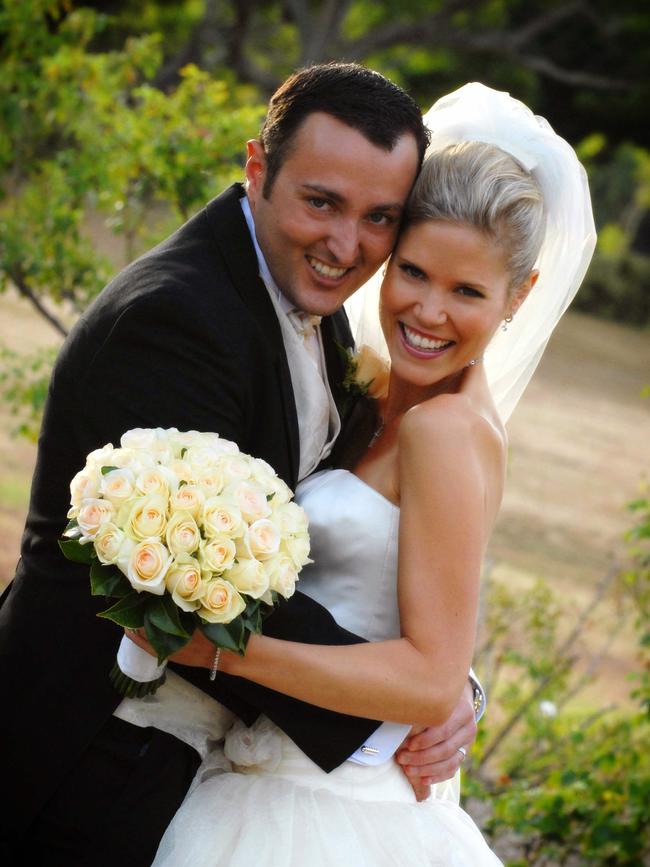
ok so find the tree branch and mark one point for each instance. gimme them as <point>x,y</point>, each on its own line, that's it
<point>22,287</point>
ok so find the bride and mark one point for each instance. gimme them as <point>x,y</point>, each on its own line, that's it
<point>499,219</point>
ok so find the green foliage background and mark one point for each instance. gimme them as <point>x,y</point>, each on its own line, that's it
<point>139,112</point>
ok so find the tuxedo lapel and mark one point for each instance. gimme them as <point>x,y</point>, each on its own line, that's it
<point>236,247</point>
<point>336,333</point>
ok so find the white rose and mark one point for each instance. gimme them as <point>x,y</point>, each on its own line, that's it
<point>282,574</point>
<point>183,580</point>
<point>85,485</point>
<point>281,492</point>
<point>155,442</point>
<point>220,601</point>
<point>92,514</point>
<point>118,485</point>
<point>221,447</point>
<point>147,566</point>
<point>210,480</point>
<point>187,439</point>
<point>156,480</point>
<point>216,555</point>
<point>187,498</point>
<point>201,457</point>
<point>290,519</point>
<point>108,543</point>
<point>251,500</point>
<point>263,539</point>
<point>182,471</point>
<point>148,517</point>
<point>182,534</point>
<point>235,468</point>
<point>100,457</point>
<point>249,577</point>
<point>220,517</point>
<point>139,438</point>
<point>297,547</point>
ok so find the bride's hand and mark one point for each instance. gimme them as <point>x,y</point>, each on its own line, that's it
<point>198,652</point>
<point>433,754</point>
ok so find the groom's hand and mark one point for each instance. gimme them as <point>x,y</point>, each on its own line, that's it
<point>432,754</point>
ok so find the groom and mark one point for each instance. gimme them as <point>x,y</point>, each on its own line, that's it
<point>194,335</point>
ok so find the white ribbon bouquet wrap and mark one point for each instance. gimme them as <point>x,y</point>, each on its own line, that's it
<point>184,531</point>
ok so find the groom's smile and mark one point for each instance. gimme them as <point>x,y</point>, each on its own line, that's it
<point>333,210</point>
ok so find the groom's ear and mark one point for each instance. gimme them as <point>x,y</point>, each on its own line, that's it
<point>255,169</point>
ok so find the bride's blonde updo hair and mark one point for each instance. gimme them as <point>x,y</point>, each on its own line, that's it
<point>479,185</point>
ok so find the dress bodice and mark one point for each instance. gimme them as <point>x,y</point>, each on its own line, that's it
<point>354,534</point>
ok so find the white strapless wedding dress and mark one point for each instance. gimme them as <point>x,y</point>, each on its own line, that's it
<point>275,807</point>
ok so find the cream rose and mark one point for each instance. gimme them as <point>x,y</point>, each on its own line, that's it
<point>249,577</point>
<point>187,498</point>
<point>139,438</point>
<point>251,500</point>
<point>220,517</point>
<point>118,485</point>
<point>290,519</point>
<point>93,513</point>
<point>156,480</point>
<point>100,458</point>
<point>183,580</point>
<point>147,566</point>
<point>181,470</point>
<point>220,601</point>
<point>108,543</point>
<point>201,457</point>
<point>84,486</point>
<point>210,480</point>
<point>282,574</point>
<point>263,539</point>
<point>188,439</point>
<point>235,468</point>
<point>297,547</point>
<point>148,517</point>
<point>217,554</point>
<point>182,534</point>
<point>372,372</point>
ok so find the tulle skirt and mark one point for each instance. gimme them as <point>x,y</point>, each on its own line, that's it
<point>276,808</point>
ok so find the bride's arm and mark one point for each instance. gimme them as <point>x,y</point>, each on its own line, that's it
<point>444,455</point>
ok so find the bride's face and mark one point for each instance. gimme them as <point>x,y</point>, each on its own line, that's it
<point>443,297</point>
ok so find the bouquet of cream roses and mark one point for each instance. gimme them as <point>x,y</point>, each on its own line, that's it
<point>184,531</point>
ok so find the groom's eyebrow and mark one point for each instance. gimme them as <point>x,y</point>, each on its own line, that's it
<point>337,197</point>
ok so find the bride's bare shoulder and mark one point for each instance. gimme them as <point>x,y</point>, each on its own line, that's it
<point>452,420</point>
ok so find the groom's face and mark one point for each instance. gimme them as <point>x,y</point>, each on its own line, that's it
<point>332,214</point>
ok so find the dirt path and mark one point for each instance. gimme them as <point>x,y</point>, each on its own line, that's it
<point>579,449</point>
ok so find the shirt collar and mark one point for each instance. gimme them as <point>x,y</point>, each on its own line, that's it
<point>265,272</point>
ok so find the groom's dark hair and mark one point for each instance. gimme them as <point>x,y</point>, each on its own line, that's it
<point>359,97</point>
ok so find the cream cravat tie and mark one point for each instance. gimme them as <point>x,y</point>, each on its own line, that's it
<point>305,325</point>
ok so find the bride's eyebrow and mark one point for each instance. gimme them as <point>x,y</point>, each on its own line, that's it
<point>339,199</point>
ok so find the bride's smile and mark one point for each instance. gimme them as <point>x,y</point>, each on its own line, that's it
<point>445,292</point>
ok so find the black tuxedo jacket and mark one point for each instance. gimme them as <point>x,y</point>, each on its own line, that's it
<point>184,337</point>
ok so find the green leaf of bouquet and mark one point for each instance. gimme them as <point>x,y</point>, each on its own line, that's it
<point>165,615</point>
<point>129,611</point>
<point>77,552</point>
<point>162,642</point>
<point>108,580</point>
<point>106,470</point>
<point>230,636</point>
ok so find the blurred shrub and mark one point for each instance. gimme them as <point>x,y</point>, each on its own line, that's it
<point>563,786</point>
